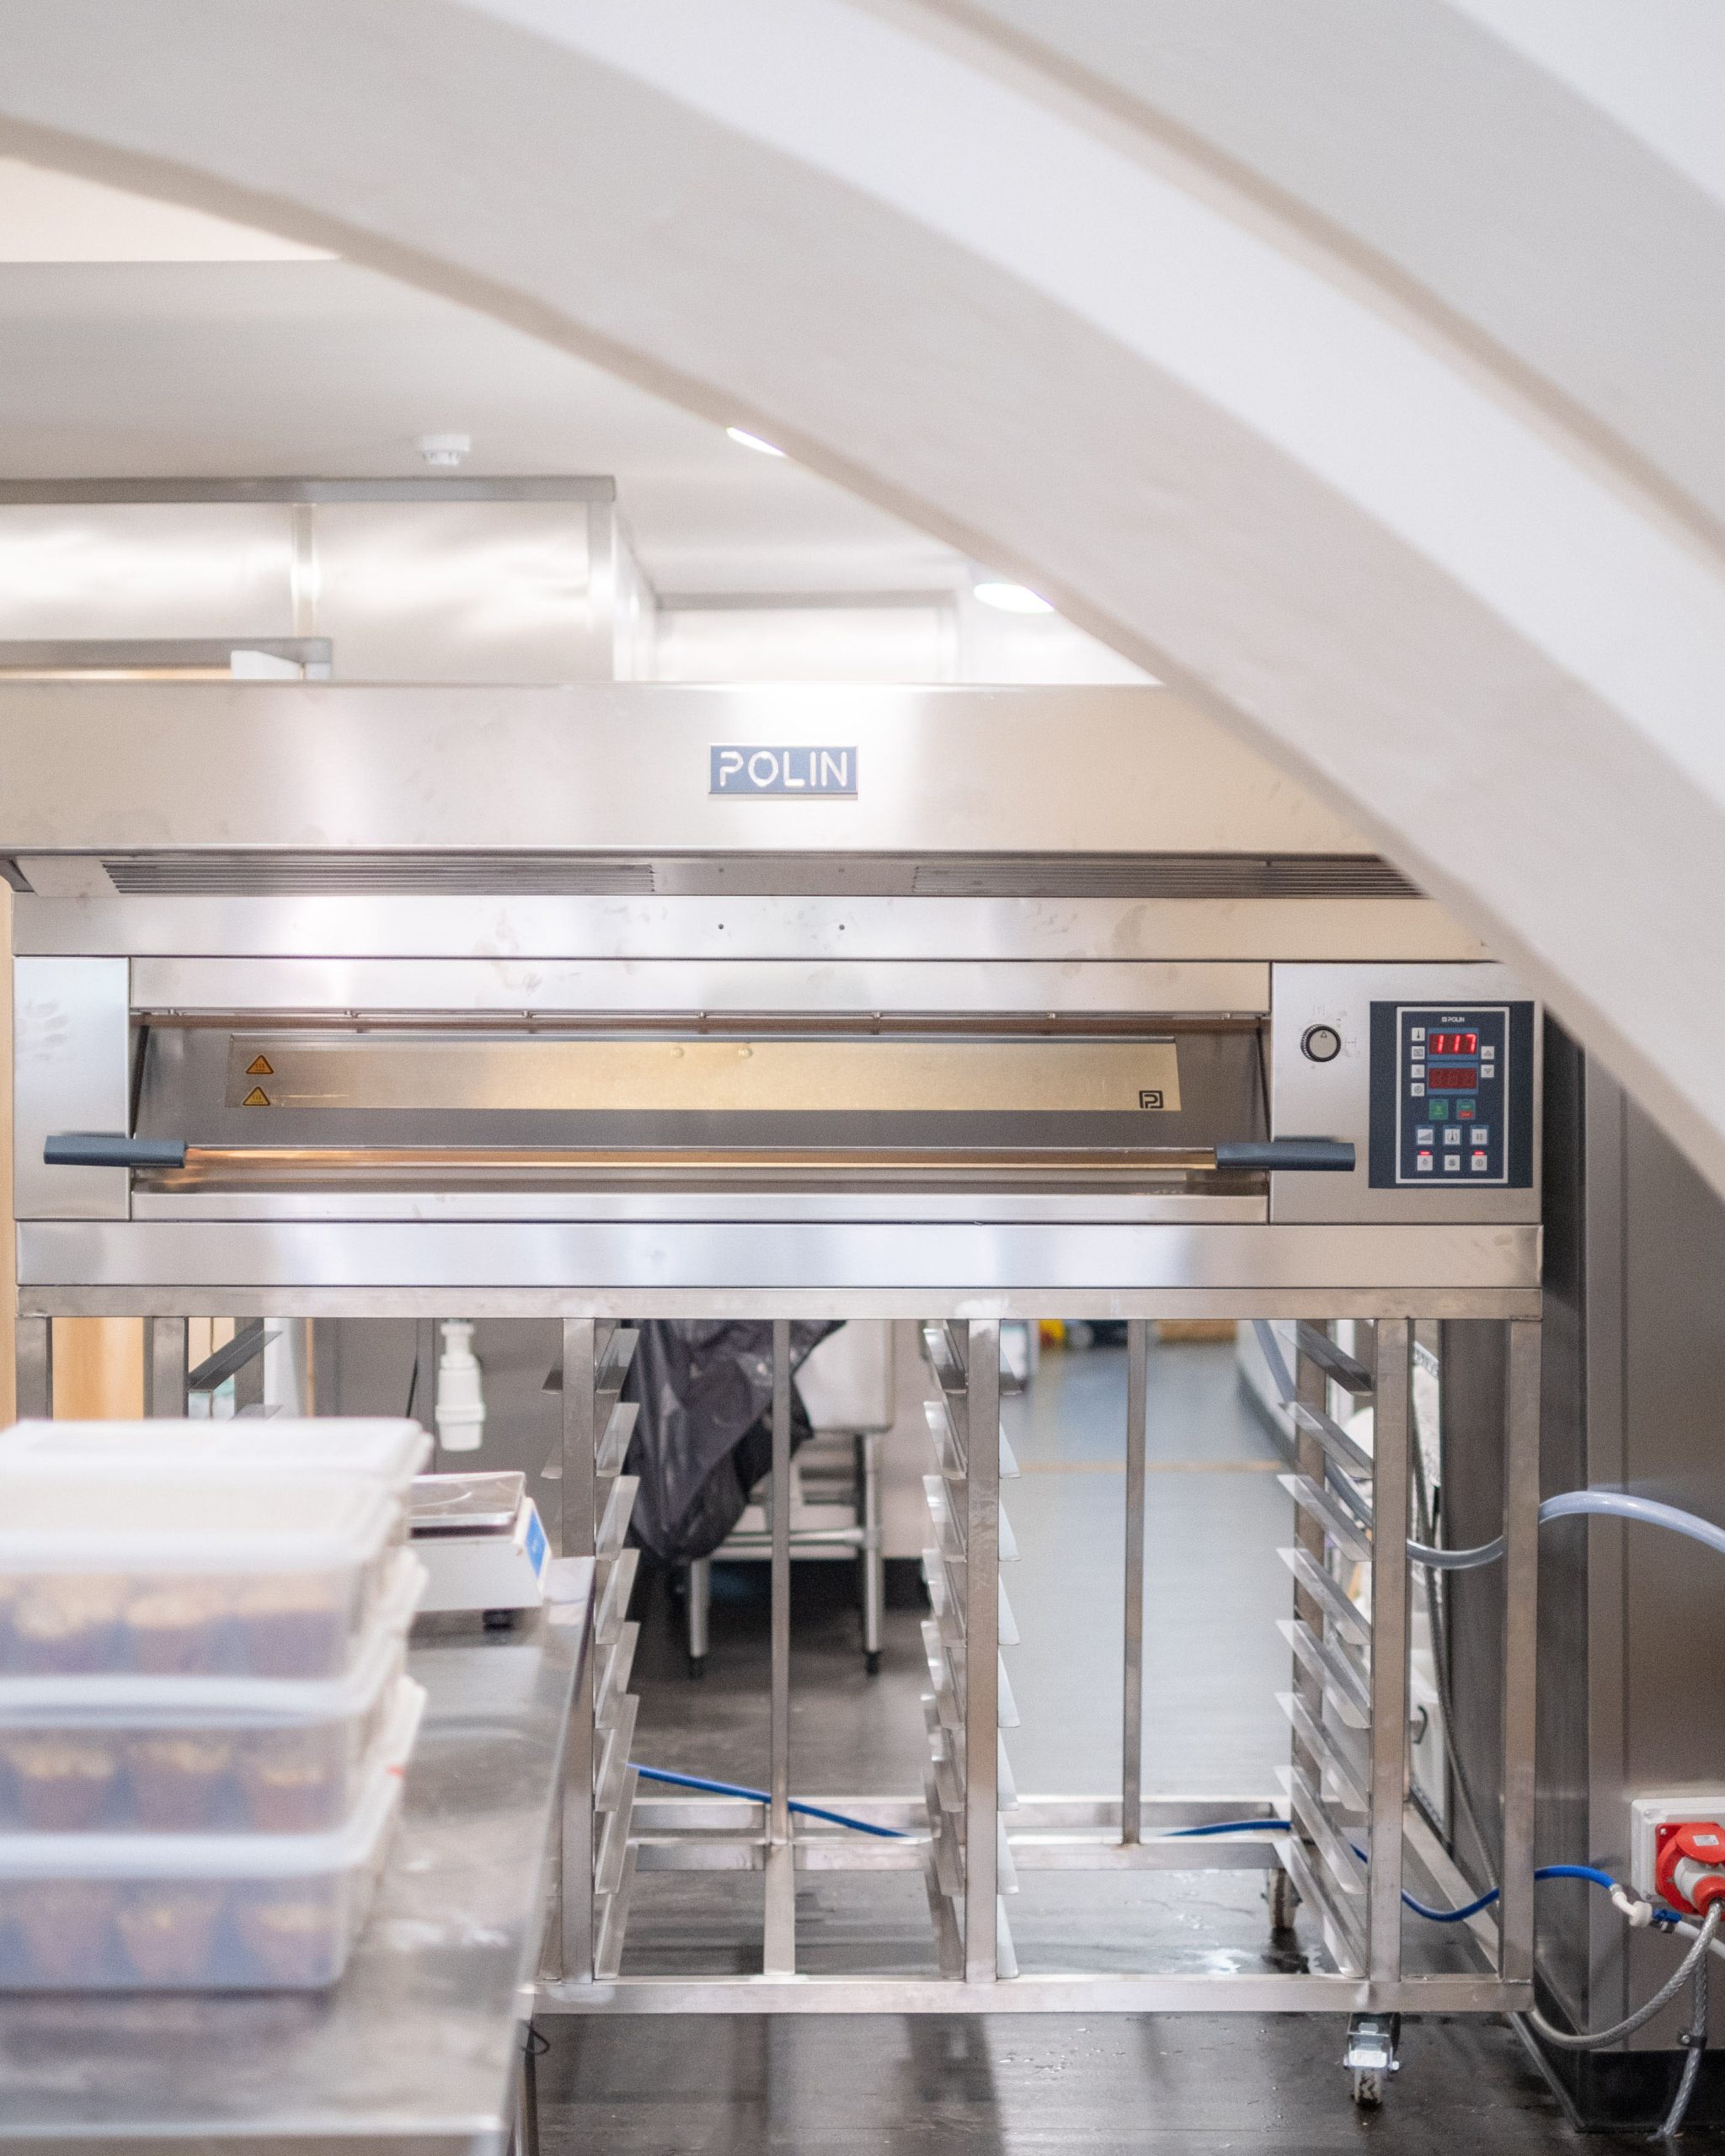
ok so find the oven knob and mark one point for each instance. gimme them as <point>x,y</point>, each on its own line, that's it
<point>1320,1044</point>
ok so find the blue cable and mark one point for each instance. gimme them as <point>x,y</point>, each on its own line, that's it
<point>762,1796</point>
<point>1586,1871</point>
<point>1594,1877</point>
<point>1231,1827</point>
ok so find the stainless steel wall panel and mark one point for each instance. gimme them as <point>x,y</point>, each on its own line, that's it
<point>145,570</point>
<point>1599,1972</point>
<point>479,591</point>
<point>435,580</point>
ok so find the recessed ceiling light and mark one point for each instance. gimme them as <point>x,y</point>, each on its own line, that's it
<point>1010,598</point>
<point>753,441</point>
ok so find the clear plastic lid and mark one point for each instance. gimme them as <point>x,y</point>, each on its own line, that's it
<point>380,1448</point>
<point>36,1856</point>
<point>203,1702</point>
<point>89,1519</point>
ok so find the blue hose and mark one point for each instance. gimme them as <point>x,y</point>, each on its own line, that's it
<point>1589,1872</point>
<point>762,1796</point>
<point>1586,1871</point>
<point>1231,1826</point>
<point>1485,1901</point>
<point>1594,1877</point>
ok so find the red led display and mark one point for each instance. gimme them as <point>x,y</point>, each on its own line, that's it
<point>1455,1043</point>
<point>1453,1079</point>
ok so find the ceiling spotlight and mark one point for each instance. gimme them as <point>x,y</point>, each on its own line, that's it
<point>753,441</point>
<point>1010,598</point>
<point>444,452</point>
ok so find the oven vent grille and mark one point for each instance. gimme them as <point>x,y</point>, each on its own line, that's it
<point>359,875</point>
<point>293,874</point>
<point>1164,876</point>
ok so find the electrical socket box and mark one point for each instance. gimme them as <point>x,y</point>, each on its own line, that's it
<point>1654,1819</point>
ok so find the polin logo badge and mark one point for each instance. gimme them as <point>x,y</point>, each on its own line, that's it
<point>750,769</point>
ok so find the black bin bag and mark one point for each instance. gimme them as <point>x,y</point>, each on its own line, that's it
<point>704,1437</point>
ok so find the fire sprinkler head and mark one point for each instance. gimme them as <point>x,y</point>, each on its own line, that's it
<point>444,452</point>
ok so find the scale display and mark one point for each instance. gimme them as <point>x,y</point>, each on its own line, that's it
<point>1451,1096</point>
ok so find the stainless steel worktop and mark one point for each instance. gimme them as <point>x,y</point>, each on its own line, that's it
<point>416,2049</point>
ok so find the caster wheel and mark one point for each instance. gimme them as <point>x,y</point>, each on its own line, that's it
<point>1371,2058</point>
<point>1369,2088</point>
<point>871,1663</point>
<point>698,1666</point>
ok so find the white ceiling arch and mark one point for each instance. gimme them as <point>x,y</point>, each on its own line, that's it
<point>1069,348</point>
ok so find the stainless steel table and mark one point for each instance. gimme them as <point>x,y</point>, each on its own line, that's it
<point>418,2048</point>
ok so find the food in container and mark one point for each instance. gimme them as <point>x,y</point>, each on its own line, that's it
<point>162,1576</point>
<point>131,1753</point>
<point>224,1912</point>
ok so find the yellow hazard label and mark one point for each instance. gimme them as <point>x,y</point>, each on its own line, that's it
<point>257,1098</point>
<point>260,1066</point>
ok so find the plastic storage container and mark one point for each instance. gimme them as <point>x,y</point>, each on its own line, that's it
<point>180,1755</point>
<point>375,1447</point>
<point>200,1912</point>
<point>170,1578</point>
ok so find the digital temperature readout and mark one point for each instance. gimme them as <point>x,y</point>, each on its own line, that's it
<point>1455,1043</point>
<point>1455,1078</point>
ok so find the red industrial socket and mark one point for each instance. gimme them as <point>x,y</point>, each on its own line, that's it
<point>1689,1865</point>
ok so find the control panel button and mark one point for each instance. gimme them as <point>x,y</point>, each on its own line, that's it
<point>1422,1163</point>
<point>1423,1137</point>
<point>1452,1164</point>
<point>1417,1092</point>
<point>1481,1135</point>
<point>1452,1137</point>
<point>1320,1044</point>
<point>1478,1162</point>
<point>1416,1033</point>
<point>1439,1110</point>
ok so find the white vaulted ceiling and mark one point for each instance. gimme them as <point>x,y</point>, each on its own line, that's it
<point>1448,545</point>
<point>141,339</point>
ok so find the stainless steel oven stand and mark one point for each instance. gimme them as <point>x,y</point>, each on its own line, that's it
<point>969,1836</point>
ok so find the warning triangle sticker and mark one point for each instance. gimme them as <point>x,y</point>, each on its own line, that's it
<point>260,1066</point>
<point>257,1098</point>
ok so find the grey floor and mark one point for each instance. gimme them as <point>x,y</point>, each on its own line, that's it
<point>1022,2084</point>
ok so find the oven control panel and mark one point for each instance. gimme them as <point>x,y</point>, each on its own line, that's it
<point>1452,1096</point>
<point>1431,1071</point>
